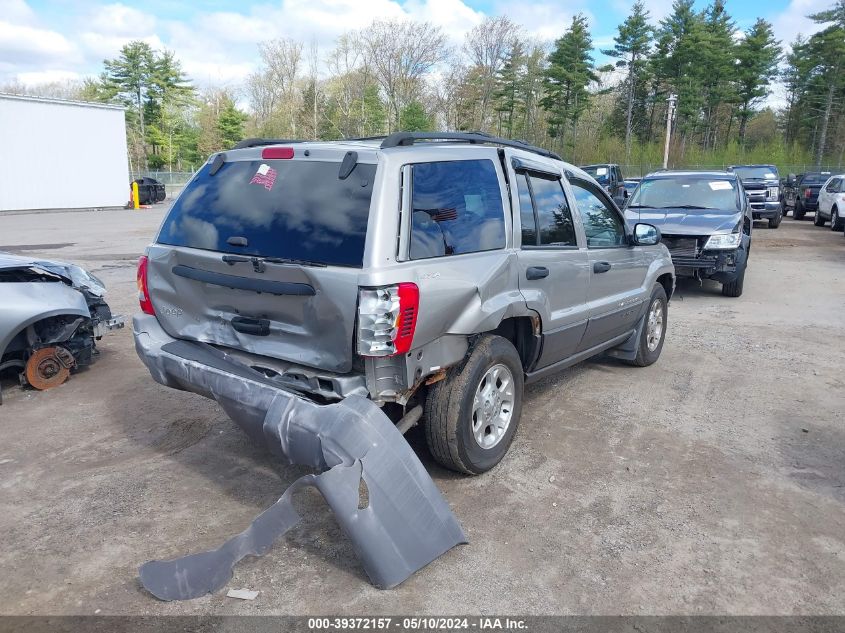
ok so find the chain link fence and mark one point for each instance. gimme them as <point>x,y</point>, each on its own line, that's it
<point>640,170</point>
<point>174,181</point>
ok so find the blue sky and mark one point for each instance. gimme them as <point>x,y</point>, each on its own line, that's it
<point>216,41</point>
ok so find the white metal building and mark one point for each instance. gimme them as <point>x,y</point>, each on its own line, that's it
<point>61,154</point>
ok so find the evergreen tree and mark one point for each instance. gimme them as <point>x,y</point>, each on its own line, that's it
<point>716,61</point>
<point>570,70</point>
<point>130,76</point>
<point>631,49</point>
<point>413,118</point>
<point>758,54</point>
<point>508,92</point>
<point>677,63</point>
<point>230,123</point>
<point>827,48</point>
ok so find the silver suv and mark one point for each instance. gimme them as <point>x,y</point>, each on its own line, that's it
<point>433,273</point>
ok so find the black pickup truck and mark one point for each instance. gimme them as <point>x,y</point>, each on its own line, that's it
<point>801,193</point>
<point>609,176</point>
<point>762,186</point>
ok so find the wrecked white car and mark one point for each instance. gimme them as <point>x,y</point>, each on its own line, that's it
<point>53,314</point>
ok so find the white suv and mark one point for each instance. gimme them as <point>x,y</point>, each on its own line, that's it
<point>832,203</point>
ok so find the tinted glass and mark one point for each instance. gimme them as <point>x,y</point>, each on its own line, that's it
<point>457,209</point>
<point>553,214</point>
<point>602,223</point>
<point>526,211</point>
<point>599,172</point>
<point>767,172</point>
<point>284,208</point>
<point>685,191</point>
<point>833,185</point>
<point>814,178</point>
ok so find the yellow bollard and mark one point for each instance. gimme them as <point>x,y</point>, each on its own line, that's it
<point>135,204</point>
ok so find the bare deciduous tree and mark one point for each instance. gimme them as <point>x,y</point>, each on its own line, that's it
<point>485,47</point>
<point>400,54</point>
<point>272,91</point>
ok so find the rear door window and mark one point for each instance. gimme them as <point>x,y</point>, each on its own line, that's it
<point>283,208</point>
<point>457,208</point>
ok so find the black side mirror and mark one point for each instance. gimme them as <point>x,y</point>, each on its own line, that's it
<point>646,234</point>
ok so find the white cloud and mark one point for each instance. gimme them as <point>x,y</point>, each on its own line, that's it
<point>793,20</point>
<point>657,9</point>
<point>119,19</point>
<point>453,16</point>
<point>30,45</point>
<point>545,21</point>
<point>17,12</point>
<point>47,76</point>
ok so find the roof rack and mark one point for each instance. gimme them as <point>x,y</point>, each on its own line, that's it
<point>258,142</point>
<point>400,139</point>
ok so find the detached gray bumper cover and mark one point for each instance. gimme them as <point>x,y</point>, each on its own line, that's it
<point>403,525</point>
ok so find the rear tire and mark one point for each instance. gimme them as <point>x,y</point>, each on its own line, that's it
<point>835,220</point>
<point>798,212</point>
<point>458,412</point>
<point>818,220</point>
<point>651,341</point>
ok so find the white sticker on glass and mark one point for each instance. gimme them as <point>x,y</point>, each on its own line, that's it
<point>717,185</point>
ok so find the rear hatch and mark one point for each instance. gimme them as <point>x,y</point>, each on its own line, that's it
<point>263,254</point>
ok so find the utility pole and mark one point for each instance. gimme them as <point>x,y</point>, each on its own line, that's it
<point>670,114</point>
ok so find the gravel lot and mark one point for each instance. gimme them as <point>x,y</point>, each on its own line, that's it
<point>712,482</point>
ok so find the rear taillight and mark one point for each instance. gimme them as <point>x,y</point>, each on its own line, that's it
<point>807,193</point>
<point>387,318</point>
<point>143,291</point>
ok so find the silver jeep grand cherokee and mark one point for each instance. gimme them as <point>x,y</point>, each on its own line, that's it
<point>432,273</point>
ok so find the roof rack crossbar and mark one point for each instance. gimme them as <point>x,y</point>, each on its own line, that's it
<point>258,142</point>
<point>399,139</point>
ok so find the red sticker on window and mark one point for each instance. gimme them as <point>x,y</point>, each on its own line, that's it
<point>265,176</point>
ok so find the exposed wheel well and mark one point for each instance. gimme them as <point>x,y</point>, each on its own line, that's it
<point>665,280</point>
<point>524,333</point>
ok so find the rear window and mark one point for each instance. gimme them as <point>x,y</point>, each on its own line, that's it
<point>599,172</point>
<point>815,178</point>
<point>284,208</point>
<point>766,172</point>
<point>685,191</point>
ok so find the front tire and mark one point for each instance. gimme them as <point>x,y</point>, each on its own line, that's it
<point>818,220</point>
<point>775,221</point>
<point>734,288</point>
<point>473,413</point>
<point>653,333</point>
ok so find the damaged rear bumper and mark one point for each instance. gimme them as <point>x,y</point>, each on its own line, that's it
<point>402,526</point>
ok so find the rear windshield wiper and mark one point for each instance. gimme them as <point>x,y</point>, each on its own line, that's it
<point>238,259</point>
<point>288,260</point>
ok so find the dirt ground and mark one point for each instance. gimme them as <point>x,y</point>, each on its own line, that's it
<point>712,482</point>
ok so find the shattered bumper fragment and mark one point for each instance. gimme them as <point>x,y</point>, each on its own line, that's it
<point>399,526</point>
